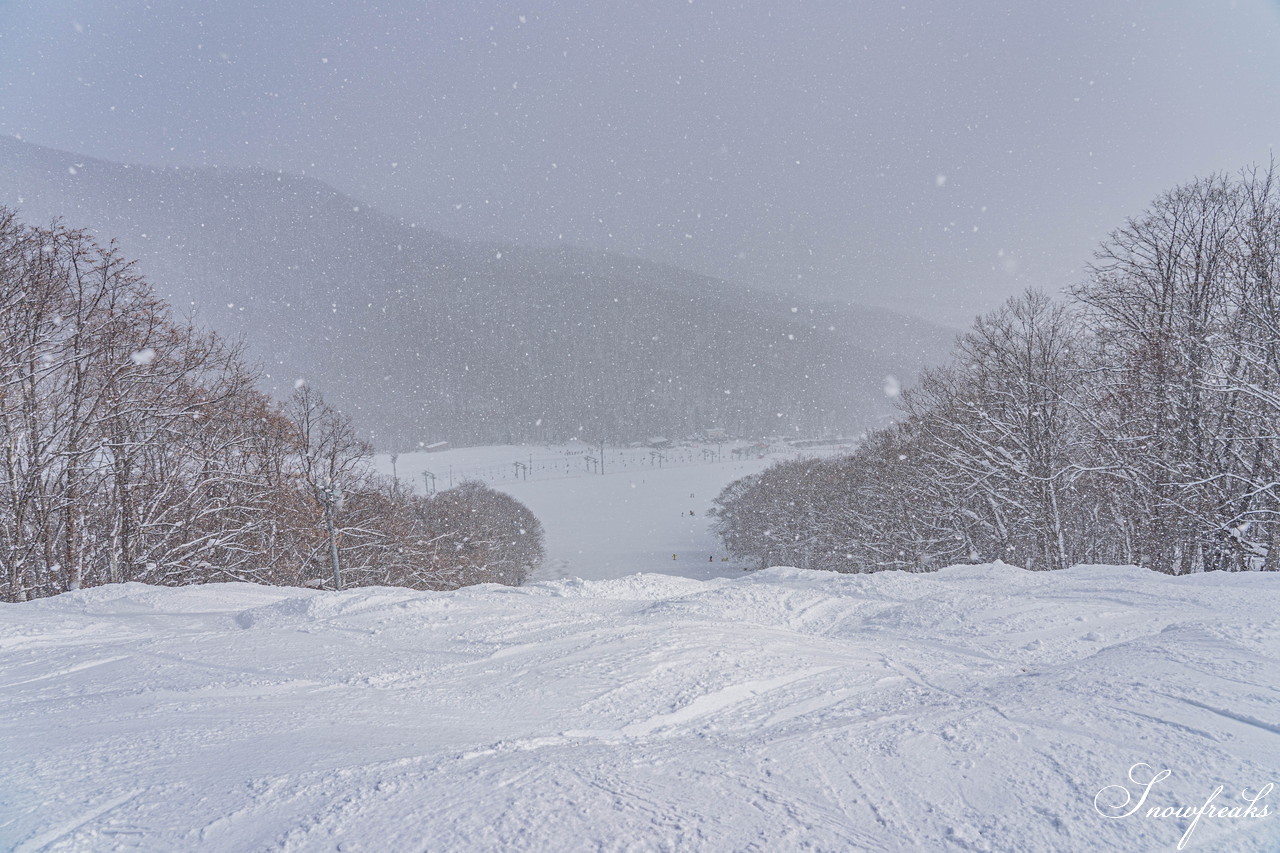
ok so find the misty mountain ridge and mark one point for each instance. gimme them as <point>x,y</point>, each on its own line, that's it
<point>423,337</point>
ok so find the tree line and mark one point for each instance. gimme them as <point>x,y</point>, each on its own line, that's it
<point>136,447</point>
<point>1134,422</point>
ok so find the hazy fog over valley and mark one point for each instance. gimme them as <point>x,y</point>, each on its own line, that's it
<point>926,157</point>
<point>422,337</point>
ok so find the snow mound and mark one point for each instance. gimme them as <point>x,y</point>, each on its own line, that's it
<point>316,606</point>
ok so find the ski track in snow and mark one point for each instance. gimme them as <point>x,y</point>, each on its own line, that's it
<point>977,708</point>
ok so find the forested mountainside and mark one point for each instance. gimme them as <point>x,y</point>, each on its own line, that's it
<point>421,337</point>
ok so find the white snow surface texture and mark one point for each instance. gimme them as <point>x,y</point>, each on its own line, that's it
<point>977,708</point>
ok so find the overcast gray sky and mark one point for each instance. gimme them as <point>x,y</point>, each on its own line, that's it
<point>934,157</point>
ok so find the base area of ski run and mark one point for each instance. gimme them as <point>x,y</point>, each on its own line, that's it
<point>976,708</point>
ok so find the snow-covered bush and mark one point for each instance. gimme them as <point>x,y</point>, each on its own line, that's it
<point>479,535</point>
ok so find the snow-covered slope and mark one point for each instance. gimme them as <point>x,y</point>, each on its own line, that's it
<point>979,708</point>
<point>636,517</point>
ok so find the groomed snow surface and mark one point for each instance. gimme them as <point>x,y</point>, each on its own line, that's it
<point>978,708</point>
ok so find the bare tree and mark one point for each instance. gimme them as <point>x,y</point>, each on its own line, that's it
<point>136,448</point>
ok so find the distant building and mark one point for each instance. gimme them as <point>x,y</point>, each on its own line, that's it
<point>436,446</point>
<point>658,442</point>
